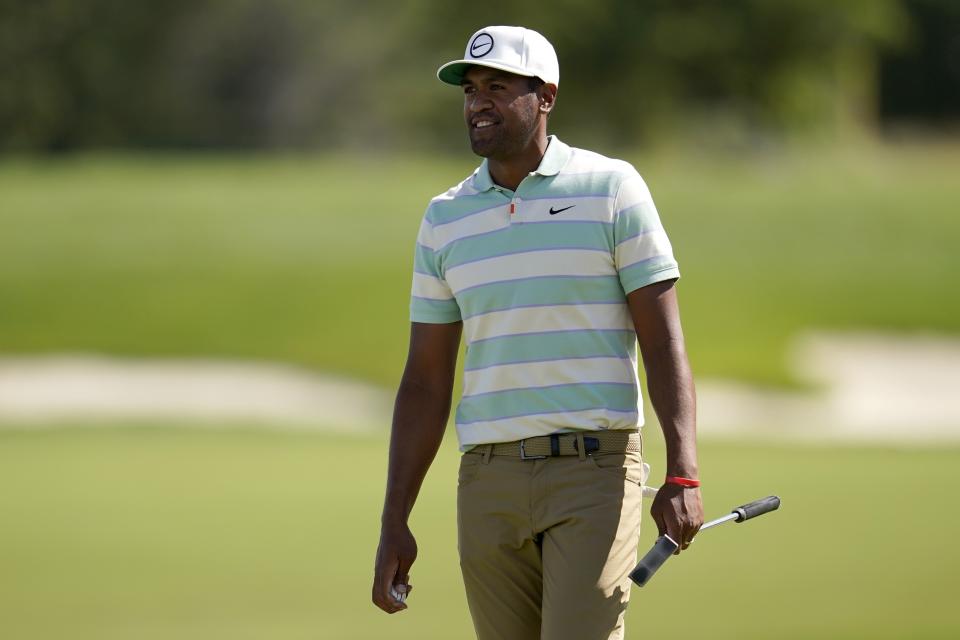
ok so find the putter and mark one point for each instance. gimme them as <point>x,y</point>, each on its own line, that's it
<point>664,547</point>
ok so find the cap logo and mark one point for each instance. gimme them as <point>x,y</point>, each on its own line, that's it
<point>481,45</point>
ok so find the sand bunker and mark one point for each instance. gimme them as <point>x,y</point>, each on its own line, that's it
<point>868,388</point>
<point>58,389</point>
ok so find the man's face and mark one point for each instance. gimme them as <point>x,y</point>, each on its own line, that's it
<point>501,111</point>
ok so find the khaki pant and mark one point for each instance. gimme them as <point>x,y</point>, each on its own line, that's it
<point>546,545</point>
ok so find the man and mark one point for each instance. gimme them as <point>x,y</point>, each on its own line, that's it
<point>553,262</point>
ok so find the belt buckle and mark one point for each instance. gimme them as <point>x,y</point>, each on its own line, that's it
<point>524,456</point>
<point>591,445</point>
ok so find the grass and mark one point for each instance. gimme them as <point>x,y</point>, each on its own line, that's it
<point>162,532</point>
<point>307,259</point>
<point>153,532</point>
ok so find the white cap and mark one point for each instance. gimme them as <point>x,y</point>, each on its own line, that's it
<point>515,49</point>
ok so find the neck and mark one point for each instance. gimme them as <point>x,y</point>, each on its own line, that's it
<point>509,172</point>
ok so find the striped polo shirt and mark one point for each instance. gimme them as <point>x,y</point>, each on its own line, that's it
<point>539,278</point>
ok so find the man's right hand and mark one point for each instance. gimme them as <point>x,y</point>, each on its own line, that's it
<point>395,555</point>
<point>419,419</point>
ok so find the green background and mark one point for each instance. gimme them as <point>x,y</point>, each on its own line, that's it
<point>308,259</point>
<point>157,532</point>
<point>173,531</point>
<point>244,179</point>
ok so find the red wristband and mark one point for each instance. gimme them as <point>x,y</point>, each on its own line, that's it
<point>683,482</point>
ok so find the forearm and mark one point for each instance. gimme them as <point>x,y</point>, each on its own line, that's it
<point>419,420</point>
<point>678,511</point>
<point>673,396</point>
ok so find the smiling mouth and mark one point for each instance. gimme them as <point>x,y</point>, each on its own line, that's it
<point>482,123</point>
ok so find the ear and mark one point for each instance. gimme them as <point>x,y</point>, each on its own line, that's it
<point>547,96</point>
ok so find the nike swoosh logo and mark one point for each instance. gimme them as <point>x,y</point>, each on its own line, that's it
<point>554,212</point>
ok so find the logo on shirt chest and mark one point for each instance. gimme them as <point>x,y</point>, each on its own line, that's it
<point>554,212</point>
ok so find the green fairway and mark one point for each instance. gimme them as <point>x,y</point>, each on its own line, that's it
<point>158,531</point>
<point>308,259</point>
<point>151,532</point>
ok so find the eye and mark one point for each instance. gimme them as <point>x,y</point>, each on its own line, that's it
<point>496,86</point>
<point>467,89</point>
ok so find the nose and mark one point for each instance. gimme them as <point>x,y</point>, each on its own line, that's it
<point>478,101</point>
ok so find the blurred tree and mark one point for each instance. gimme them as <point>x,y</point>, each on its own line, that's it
<point>632,70</point>
<point>358,73</point>
<point>76,74</point>
<point>920,83</point>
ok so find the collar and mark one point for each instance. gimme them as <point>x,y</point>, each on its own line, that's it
<point>554,159</point>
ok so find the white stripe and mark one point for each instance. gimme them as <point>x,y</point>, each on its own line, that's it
<point>583,161</point>
<point>510,429</point>
<point>570,262</point>
<point>552,318</point>
<point>643,247</point>
<point>633,191</point>
<point>541,374</point>
<point>465,188</point>
<point>426,236</point>
<point>483,222</point>
<point>425,286</point>
<point>589,209</point>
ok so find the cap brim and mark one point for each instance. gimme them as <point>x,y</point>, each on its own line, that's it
<point>453,72</point>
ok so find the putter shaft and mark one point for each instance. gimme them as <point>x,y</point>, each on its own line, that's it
<point>665,546</point>
<point>730,516</point>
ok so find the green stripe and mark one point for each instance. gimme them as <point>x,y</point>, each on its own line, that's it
<point>540,291</point>
<point>600,184</point>
<point>639,218</point>
<point>434,311</point>
<point>530,237</point>
<point>648,272</point>
<point>425,261</point>
<point>518,402</point>
<point>549,346</point>
<point>444,211</point>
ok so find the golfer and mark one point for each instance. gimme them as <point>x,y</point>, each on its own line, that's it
<point>553,263</point>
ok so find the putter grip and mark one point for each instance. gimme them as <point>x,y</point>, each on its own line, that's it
<point>659,553</point>
<point>757,508</point>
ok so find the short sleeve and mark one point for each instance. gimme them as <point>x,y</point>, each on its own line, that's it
<point>642,253</point>
<point>431,299</point>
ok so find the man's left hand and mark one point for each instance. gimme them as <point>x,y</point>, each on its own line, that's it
<point>678,512</point>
